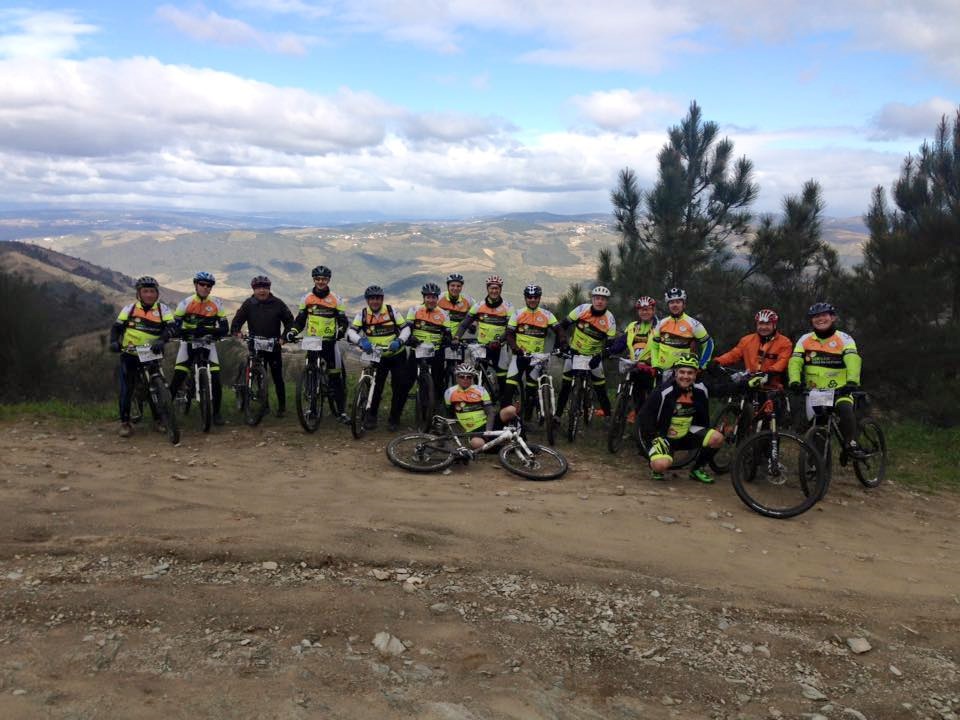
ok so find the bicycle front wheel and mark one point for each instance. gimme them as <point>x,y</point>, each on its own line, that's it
<point>618,423</point>
<point>358,409</point>
<point>726,423</point>
<point>489,376</point>
<point>576,408</point>
<point>256,401</point>
<point>778,474</point>
<point>206,401</point>
<point>307,400</point>
<point>425,401</point>
<point>540,463</point>
<point>420,452</point>
<point>549,413</point>
<point>163,405</point>
<point>871,469</point>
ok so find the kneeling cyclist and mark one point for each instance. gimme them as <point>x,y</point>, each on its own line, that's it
<point>676,416</point>
<point>471,405</point>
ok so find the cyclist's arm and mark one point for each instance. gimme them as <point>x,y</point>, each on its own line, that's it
<point>342,322</point>
<point>300,321</point>
<point>286,318</point>
<point>704,343</point>
<point>466,322</point>
<point>167,321</point>
<point>795,364</point>
<point>240,318</point>
<point>852,360</point>
<point>355,329</point>
<point>732,356</point>
<point>782,351</point>
<point>654,345</point>
<point>618,345</point>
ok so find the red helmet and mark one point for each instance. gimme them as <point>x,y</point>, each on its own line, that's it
<point>645,301</point>
<point>766,315</point>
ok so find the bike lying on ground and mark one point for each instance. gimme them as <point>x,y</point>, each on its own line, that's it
<point>537,394</point>
<point>363,392</point>
<point>775,472</point>
<point>870,467</point>
<point>251,384</point>
<point>630,371</point>
<point>428,452</point>
<point>150,385</point>
<point>197,386</point>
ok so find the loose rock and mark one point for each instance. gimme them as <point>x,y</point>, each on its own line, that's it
<point>388,645</point>
<point>859,645</point>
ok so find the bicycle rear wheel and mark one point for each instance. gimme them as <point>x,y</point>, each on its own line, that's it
<point>726,423</point>
<point>541,463</point>
<point>163,406</point>
<point>426,400</point>
<point>778,474</point>
<point>256,402</point>
<point>618,423</point>
<point>308,403</point>
<point>358,408</point>
<point>206,402</point>
<point>871,469</point>
<point>421,452</point>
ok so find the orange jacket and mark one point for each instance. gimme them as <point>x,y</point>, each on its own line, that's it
<point>770,357</point>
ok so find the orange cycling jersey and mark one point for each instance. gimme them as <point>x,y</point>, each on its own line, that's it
<point>457,310</point>
<point>428,325</point>
<point>770,357</point>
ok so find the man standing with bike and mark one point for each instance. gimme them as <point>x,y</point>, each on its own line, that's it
<point>766,351</point>
<point>376,326</point>
<point>676,416</point>
<point>471,405</point>
<point>267,316</point>
<point>200,315</point>
<point>636,341</point>
<point>322,314</point>
<point>428,324</point>
<point>491,316</point>
<point>679,334</point>
<point>526,335</point>
<point>144,322</point>
<point>828,359</point>
<point>593,328</point>
<point>456,304</point>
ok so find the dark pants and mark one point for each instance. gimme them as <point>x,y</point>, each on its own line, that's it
<point>400,381</point>
<point>437,372</point>
<point>129,370</point>
<point>274,360</point>
<point>599,389</point>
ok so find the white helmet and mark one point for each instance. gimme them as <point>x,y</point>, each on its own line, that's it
<point>601,291</point>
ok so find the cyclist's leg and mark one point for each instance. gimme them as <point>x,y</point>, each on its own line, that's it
<point>129,367</point>
<point>565,386</point>
<point>216,388</point>
<point>600,389</point>
<point>516,372</point>
<point>274,359</point>
<point>338,388</point>
<point>180,369</point>
<point>401,381</point>
<point>709,441</point>
<point>380,382</point>
<point>500,360</point>
<point>847,418</point>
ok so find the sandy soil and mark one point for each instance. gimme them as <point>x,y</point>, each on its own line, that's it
<point>246,574</point>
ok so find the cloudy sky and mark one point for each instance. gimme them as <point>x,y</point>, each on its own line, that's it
<point>456,107</point>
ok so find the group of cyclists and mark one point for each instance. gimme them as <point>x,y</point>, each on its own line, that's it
<point>669,353</point>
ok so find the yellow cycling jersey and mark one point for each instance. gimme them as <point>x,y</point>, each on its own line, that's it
<point>143,326</point>
<point>380,328</point>
<point>491,320</point>
<point>531,328</point>
<point>203,314</point>
<point>469,406</point>
<point>456,309</point>
<point>638,339</point>
<point>677,336</point>
<point>322,314</point>
<point>825,363</point>
<point>590,331</point>
<point>428,325</point>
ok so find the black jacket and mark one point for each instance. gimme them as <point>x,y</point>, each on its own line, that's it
<point>657,412</point>
<point>263,318</point>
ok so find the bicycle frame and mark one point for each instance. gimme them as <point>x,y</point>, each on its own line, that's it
<point>497,437</point>
<point>370,370</point>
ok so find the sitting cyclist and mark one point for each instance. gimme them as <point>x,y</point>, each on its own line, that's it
<point>676,416</point>
<point>635,340</point>
<point>455,302</point>
<point>827,359</point>
<point>679,334</point>
<point>144,322</point>
<point>267,316</point>
<point>322,314</point>
<point>200,315</point>
<point>471,405</point>
<point>765,351</point>
<point>526,335</point>
<point>491,316</point>
<point>428,324</point>
<point>594,327</point>
<point>376,326</point>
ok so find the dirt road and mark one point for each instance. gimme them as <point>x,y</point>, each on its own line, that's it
<point>246,574</point>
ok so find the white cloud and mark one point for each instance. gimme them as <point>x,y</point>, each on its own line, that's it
<point>40,34</point>
<point>210,26</point>
<point>621,109</point>
<point>898,120</point>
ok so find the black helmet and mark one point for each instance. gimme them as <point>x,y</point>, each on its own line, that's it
<point>373,291</point>
<point>821,307</point>
<point>430,288</point>
<point>260,281</point>
<point>146,281</point>
<point>321,271</point>
<point>454,277</point>
<point>532,291</point>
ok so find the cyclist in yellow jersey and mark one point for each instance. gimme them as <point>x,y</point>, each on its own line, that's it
<point>144,322</point>
<point>429,324</point>
<point>594,329</point>
<point>636,342</point>
<point>455,302</point>
<point>526,335</point>
<point>196,316</point>
<point>472,405</point>
<point>828,359</point>
<point>491,316</point>
<point>678,334</point>
<point>322,314</point>
<point>377,326</point>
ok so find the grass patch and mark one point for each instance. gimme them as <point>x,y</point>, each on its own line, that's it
<point>59,409</point>
<point>923,456</point>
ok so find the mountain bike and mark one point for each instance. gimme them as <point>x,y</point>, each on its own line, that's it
<point>252,384</point>
<point>363,392</point>
<point>872,466</point>
<point>452,356</point>
<point>476,355</point>
<point>427,452</point>
<point>426,397</point>
<point>537,394</point>
<point>313,385</point>
<point>150,385</point>
<point>197,385</point>
<point>776,472</point>
<point>630,371</point>
<point>580,410</point>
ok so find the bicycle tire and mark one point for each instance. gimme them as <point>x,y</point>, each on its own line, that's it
<point>358,408</point>
<point>576,409</point>
<point>549,414</point>
<point>206,400</point>
<point>727,422</point>
<point>420,452</point>
<point>240,390</point>
<point>489,376</point>
<point>819,437</point>
<point>797,489</point>
<point>164,408</point>
<point>307,401</point>
<point>545,463</point>
<point>426,400</point>
<point>588,398</point>
<point>870,438</point>
<point>618,423</point>
<point>257,402</point>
